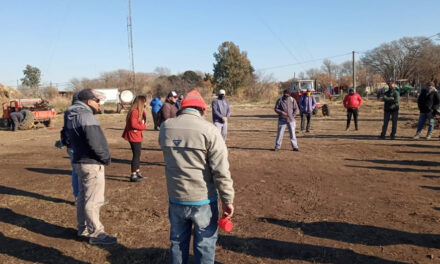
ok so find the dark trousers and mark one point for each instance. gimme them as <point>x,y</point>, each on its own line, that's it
<point>16,119</point>
<point>305,116</point>
<point>136,150</point>
<point>154,119</point>
<point>394,115</point>
<point>352,112</point>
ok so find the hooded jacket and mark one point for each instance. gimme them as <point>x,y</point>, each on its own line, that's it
<point>85,136</point>
<point>428,100</point>
<point>156,104</point>
<point>287,105</point>
<point>196,160</point>
<point>307,103</point>
<point>352,101</point>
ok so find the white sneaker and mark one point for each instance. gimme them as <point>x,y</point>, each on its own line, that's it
<point>417,136</point>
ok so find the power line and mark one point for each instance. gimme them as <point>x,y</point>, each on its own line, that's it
<point>304,62</point>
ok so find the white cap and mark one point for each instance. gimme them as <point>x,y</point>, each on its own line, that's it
<point>221,92</point>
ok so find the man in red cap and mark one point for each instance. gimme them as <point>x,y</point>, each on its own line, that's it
<point>197,173</point>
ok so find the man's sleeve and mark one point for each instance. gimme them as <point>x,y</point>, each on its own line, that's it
<point>166,111</point>
<point>219,165</point>
<point>360,100</point>
<point>228,110</point>
<point>295,107</point>
<point>276,109</point>
<point>95,139</point>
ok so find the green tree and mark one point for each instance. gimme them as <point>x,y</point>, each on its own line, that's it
<point>233,70</point>
<point>191,77</point>
<point>32,78</point>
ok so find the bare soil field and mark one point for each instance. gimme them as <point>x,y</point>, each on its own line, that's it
<point>346,197</point>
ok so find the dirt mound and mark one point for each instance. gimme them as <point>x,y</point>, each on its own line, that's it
<point>8,93</point>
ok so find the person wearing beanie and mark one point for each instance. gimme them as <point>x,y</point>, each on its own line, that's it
<point>391,110</point>
<point>287,109</point>
<point>307,104</point>
<point>197,174</point>
<point>352,101</point>
<point>428,103</point>
<point>90,155</point>
<point>220,113</point>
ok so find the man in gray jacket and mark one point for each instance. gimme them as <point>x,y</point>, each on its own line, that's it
<point>220,113</point>
<point>90,154</point>
<point>197,173</point>
<point>286,108</point>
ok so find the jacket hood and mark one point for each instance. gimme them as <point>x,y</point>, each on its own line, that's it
<point>77,108</point>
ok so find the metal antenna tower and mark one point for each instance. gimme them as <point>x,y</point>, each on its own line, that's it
<point>130,47</point>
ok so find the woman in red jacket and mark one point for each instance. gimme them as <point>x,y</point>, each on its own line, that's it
<point>352,101</point>
<point>135,123</point>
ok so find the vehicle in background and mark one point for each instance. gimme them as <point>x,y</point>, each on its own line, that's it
<point>122,100</point>
<point>34,110</point>
<point>299,87</point>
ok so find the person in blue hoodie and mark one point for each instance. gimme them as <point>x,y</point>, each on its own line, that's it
<point>156,104</point>
<point>306,105</point>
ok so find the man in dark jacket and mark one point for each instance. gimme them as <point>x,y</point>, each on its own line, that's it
<point>428,103</point>
<point>391,109</point>
<point>169,109</point>
<point>286,108</point>
<point>221,112</point>
<point>16,119</point>
<point>90,154</point>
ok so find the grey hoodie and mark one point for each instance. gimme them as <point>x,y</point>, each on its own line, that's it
<point>85,135</point>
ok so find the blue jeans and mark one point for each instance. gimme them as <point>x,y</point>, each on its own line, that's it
<point>204,218</point>
<point>74,175</point>
<point>282,124</point>
<point>422,120</point>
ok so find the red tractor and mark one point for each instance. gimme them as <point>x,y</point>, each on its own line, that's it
<point>34,110</point>
<point>299,87</point>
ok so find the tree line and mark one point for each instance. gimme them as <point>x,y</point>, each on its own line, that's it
<point>416,59</point>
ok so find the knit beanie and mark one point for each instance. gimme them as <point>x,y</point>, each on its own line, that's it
<point>193,99</point>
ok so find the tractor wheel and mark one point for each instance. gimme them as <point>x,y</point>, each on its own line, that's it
<point>315,111</point>
<point>325,110</point>
<point>47,123</point>
<point>118,108</point>
<point>28,120</point>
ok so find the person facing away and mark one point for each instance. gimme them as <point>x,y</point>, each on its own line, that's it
<point>428,103</point>
<point>90,154</point>
<point>307,104</point>
<point>352,101</point>
<point>197,174</point>
<point>16,119</point>
<point>135,123</point>
<point>156,104</point>
<point>221,112</point>
<point>391,110</point>
<point>287,109</point>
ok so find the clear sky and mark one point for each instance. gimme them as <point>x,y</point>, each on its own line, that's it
<point>83,38</point>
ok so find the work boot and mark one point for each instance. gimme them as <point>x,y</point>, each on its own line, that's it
<point>417,136</point>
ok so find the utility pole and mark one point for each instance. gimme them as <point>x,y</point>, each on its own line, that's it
<point>130,47</point>
<point>354,72</point>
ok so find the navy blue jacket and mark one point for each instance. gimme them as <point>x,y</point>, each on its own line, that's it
<point>85,135</point>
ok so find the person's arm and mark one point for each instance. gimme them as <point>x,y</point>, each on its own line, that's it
<point>166,111</point>
<point>64,138</point>
<point>345,101</point>
<point>360,100</point>
<point>215,110</point>
<point>95,138</point>
<point>295,107</point>
<point>278,108</point>
<point>228,110</point>
<point>217,157</point>
<point>387,98</point>
<point>313,102</point>
<point>134,121</point>
<point>396,96</point>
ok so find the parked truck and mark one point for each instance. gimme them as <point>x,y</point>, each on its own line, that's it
<point>34,110</point>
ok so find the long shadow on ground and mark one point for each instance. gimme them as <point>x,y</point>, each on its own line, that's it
<point>281,250</point>
<point>399,169</point>
<point>419,152</point>
<point>17,192</point>
<point>126,161</point>
<point>32,252</point>
<point>360,234</point>
<point>412,145</point>
<point>50,171</point>
<point>401,162</point>
<point>349,136</point>
<point>434,188</point>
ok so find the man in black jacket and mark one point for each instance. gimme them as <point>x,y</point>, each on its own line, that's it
<point>391,109</point>
<point>90,154</point>
<point>428,103</point>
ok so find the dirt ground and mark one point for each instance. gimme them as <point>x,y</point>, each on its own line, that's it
<point>346,197</point>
